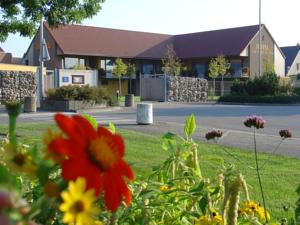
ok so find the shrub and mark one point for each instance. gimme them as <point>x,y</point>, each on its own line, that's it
<point>113,101</point>
<point>238,87</point>
<point>267,84</point>
<point>77,93</point>
<point>281,99</point>
<point>296,91</point>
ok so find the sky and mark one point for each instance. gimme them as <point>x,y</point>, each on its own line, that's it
<point>186,16</point>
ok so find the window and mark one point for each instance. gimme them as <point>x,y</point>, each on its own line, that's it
<point>109,65</point>
<point>298,66</point>
<point>236,69</point>
<point>148,68</point>
<point>200,69</point>
<point>70,63</point>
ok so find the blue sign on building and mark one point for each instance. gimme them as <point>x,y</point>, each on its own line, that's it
<point>65,79</point>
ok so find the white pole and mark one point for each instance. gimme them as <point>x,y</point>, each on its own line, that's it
<point>260,40</point>
<point>41,83</point>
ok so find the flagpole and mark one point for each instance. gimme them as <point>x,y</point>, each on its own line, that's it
<point>260,40</point>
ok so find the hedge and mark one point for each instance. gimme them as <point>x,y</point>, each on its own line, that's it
<point>281,99</point>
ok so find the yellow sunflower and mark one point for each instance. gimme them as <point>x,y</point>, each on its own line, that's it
<point>78,204</point>
<point>252,208</point>
<point>18,160</point>
<point>214,219</point>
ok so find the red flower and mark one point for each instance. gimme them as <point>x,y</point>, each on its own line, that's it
<point>96,155</point>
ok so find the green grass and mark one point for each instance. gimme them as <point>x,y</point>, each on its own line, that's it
<point>213,98</point>
<point>280,176</point>
<point>136,99</point>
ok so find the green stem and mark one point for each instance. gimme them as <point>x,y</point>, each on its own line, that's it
<point>196,162</point>
<point>112,220</point>
<point>12,131</point>
<point>259,179</point>
<point>275,150</point>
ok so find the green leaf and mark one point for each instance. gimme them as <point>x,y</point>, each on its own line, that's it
<point>92,120</point>
<point>43,173</point>
<point>4,175</point>
<point>190,125</point>
<point>112,127</point>
<point>203,204</point>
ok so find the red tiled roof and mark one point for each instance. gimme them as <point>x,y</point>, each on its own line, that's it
<point>95,41</point>
<point>228,42</point>
<point>86,40</point>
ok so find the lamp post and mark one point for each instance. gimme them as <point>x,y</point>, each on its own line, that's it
<point>44,56</point>
<point>260,40</point>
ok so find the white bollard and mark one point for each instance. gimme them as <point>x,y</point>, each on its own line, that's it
<point>144,114</point>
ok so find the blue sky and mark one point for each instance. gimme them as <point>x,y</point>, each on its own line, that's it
<point>185,16</point>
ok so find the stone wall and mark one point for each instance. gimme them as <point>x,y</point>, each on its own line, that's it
<point>15,85</point>
<point>187,89</point>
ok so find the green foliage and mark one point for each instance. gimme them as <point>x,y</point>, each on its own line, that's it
<point>113,101</point>
<point>243,98</point>
<point>72,92</point>
<point>24,16</point>
<point>171,63</point>
<point>92,120</point>
<point>120,68</point>
<point>190,126</point>
<point>267,84</point>
<point>213,69</point>
<point>131,69</point>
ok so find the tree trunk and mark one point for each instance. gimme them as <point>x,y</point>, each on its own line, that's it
<point>120,91</point>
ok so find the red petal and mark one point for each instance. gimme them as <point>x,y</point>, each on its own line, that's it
<point>69,126</point>
<point>125,169</point>
<point>61,146</point>
<point>79,167</point>
<point>123,189</point>
<point>115,142</point>
<point>86,128</point>
<point>112,196</point>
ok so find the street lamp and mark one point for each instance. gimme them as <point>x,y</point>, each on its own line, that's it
<point>44,56</point>
<point>260,40</point>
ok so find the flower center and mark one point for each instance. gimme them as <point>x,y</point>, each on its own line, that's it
<point>101,154</point>
<point>78,207</point>
<point>19,159</point>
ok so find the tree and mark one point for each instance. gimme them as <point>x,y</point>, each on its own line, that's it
<point>119,70</point>
<point>131,70</point>
<point>171,63</point>
<point>218,66</point>
<point>213,72</point>
<point>24,16</point>
<point>223,66</point>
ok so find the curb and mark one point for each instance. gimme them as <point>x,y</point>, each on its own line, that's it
<point>105,109</point>
<point>258,104</point>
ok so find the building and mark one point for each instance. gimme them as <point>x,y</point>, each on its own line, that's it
<point>292,61</point>
<point>93,51</point>
<point>7,58</point>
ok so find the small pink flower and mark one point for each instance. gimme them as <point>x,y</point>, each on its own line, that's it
<point>213,134</point>
<point>255,121</point>
<point>285,133</point>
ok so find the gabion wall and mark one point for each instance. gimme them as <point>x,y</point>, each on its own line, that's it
<point>187,89</point>
<point>15,85</point>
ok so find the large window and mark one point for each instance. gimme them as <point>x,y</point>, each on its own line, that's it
<point>200,69</point>
<point>236,68</point>
<point>71,63</point>
<point>147,68</point>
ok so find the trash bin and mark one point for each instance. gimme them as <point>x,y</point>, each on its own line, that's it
<point>129,100</point>
<point>144,113</point>
<point>30,104</point>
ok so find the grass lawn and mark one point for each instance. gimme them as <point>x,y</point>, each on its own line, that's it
<point>213,98</point>
<point>280,177</point>
<point>136,99</point>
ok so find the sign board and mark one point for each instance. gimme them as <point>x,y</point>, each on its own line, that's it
<point>65,79</point>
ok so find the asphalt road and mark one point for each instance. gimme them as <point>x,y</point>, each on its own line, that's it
<point>229,118</point>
